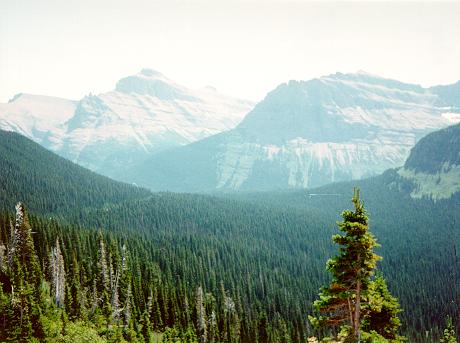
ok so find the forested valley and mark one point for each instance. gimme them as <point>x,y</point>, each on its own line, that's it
<point>116,262</point>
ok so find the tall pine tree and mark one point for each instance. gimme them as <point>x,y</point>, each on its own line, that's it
<point>340,303</point>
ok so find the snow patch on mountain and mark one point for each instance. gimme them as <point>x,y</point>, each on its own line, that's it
<point>37,117</point>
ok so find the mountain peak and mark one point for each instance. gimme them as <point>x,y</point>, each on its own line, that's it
<point>15,97</point>
<point>153,83</point>
<point>360,76</point>
<point>148,72</point>
<point>365,73</point>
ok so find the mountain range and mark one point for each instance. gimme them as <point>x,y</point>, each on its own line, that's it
<point>145,114</point>
<point>309,133</point>
<point>158,134</point>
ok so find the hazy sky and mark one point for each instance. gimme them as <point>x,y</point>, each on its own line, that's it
<point>70,48</point>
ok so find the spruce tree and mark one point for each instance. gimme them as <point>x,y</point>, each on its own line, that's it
<point>25,276</point>
<point>340,303</point>
<point>22,247</point>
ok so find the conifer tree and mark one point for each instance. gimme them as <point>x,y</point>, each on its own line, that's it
<point>340,303</point>
<point>3,257</point>
<point>25,275</point>
<point>449,332</point>
<point>213,330</point>
<point>102,264</point>
<point>232,319</point>
<point>127,307</point>
<point>22,246</point>
<point>77,296</point>
<point>263,329</point>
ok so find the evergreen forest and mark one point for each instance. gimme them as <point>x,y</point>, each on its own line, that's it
<point>87,259</point>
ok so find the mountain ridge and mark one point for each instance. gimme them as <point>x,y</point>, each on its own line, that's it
<point>30,172</point>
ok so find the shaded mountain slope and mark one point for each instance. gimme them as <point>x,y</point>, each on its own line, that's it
<point>48,183</point>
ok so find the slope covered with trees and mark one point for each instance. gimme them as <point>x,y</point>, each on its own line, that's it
<point>267,251</point>
<point>419,241</point>
<point>193,287</point>
<point>48,183</point>
<point>436,151</point>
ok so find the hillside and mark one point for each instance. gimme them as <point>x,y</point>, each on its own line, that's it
<point>50,184</point>
<point>433,167</point>
<point>270,254</point>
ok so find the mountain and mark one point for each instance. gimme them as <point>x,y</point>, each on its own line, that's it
<point>51,184</point>
<point>146,113</point>
<point>309,133</point>
<point>430,173</point>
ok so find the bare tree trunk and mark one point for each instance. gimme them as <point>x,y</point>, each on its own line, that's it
<point>350,311</point>
<point>357,310</point>
<point>357,318</point>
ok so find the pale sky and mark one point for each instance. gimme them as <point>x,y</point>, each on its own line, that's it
<point>243,48</point>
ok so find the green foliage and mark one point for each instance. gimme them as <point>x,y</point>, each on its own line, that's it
<point>449,332</point>
<point>51,184</point>
<point>374,337</point>
<point>419,239</point>
<point>174,335</point>
<point>80,332</point>
<point>380,311</point>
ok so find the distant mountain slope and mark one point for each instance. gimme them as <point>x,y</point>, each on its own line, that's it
<point>437,151</point>
<point>146,113</point>
<point>49,184</point>
<point>38,117</point>
<point>431,172</point>
<point>309,133</point>
<point>433,166</point>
